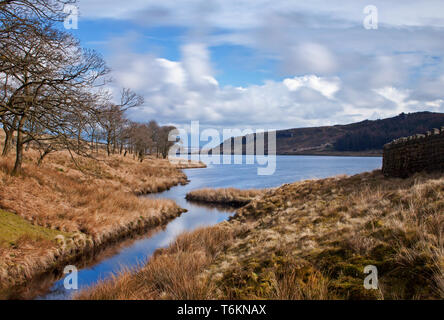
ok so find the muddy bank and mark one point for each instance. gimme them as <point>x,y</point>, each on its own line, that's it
<point>234,204</point>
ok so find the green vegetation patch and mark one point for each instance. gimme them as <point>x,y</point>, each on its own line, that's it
<point>13,227</point>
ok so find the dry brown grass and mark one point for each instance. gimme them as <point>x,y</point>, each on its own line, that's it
<point>172,273</point>
<point>92,202</point>
<point>226,196</point>
<point>187,164</point>
<point>334,227</point>
<point>309,240</point>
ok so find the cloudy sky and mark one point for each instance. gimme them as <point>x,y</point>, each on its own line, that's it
<point>270,64</point>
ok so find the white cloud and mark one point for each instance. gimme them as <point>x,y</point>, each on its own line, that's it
<point>196,61</point>
<point>332,69</point>
<point>404,102</point>
<point>245,14</point>
<point>395,95</point>
<point>328,87</point>
<point>177,92</point>
<point>181,91</point>
<point>436,104</point>
<point>315,57</point>
<point>174,73</point>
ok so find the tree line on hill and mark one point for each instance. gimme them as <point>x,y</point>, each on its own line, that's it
<point>52,91</point>
<point>367,136</point>
<point>361,141</point>
<point>373,135</point>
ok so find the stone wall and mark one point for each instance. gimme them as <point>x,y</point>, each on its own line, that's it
<point>421,152</point>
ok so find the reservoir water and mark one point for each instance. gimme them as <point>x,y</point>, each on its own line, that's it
<point>132,253</point>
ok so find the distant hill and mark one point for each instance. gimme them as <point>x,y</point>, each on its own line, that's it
<point>362,138</point>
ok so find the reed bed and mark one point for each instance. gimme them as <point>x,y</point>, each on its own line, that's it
<point>225,196</point>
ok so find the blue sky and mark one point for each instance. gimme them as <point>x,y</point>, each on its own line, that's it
<point>270,64</point>
<point>234,65</point>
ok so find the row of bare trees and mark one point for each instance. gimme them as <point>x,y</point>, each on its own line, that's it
<point>51,90</point>
<point>123,136</point>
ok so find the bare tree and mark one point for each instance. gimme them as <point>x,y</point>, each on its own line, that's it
<point>163,142</point>
<point>142,139</point>
<point>9,123</point>
<point>48,90</point>
<point>112,117</point>
<point>16,16</point>
<point>49,77</point>
<point>23,11</point>
<point>153,132</point>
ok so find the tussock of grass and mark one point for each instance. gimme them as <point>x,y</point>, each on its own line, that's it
<point>96,201</point>
<point>308,240</point>
<point>188,164</point>
<point>228,196</point>
<point>337,226</point>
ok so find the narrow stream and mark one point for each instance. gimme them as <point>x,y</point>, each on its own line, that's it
<point>134,252</point>
<point>137,252</point>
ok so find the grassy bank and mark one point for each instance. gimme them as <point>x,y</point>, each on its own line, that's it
<point>59,210</point>
<point>227,196</point>
<point>188,164</point>
<point>307,240</point>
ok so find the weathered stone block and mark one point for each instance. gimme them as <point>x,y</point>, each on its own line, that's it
<point>407,155</point>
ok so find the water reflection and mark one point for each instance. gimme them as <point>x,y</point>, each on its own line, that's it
<point>139,251</point>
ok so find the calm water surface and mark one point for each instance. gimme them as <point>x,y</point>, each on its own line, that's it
<point>242,176</point>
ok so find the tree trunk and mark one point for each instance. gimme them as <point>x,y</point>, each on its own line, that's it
<point>92,141</point>
<point>19,149</point>
<point>8,142</point>
<point>43,155</point>
<point>9,135</point>
<point>19,155</point>
<point>18,160</point>
<point>79,135</point>
<point>108,144</point>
